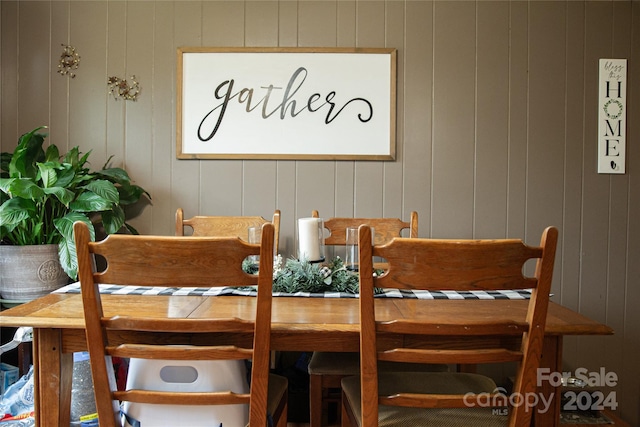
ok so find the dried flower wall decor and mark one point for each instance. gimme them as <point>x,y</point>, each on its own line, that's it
<point>121,88</point>
<point>69,60</point>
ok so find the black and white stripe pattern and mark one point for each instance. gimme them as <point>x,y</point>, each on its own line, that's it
<point>74,288</point>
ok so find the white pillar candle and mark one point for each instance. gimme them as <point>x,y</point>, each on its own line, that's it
<point>309,239</point>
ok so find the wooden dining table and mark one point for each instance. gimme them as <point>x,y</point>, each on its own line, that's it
<point>298,324</point>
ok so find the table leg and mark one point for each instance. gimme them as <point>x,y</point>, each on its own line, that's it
<point>53,377</point>
<point>552,359</point>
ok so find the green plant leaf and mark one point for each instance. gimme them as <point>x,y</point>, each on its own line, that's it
<point>28,152</point>
<point>15,210</point>
<point>5,159</point>
<point>5,184</point>
<point>65,225</point>
<point>26,189</point>
<point>66,175</point>
<point>52,154</point>
<point>65,196</point>
<point>90,202</point>
<point>130,194</point>
<point>68,258</point>
<point>84,159</point>
<point>47,174</point>
<point>117,175</point>
<point>67,247</point>
<point>131,228</point>
<point>112,221</point>
<point>104,189</point>
<point>72,157</point>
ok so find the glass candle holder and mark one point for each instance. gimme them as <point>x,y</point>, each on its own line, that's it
<point>255,238</point>
<point>351,258</point>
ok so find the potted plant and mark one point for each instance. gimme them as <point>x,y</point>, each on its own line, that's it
<point>43,193</point>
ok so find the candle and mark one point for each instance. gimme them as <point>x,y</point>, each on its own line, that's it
<point>309,239</point>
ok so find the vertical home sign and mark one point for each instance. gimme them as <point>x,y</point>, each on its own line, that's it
<point>612,116</point>
<point>286,103</point>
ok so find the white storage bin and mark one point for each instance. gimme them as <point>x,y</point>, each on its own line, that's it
<point>190,376</point>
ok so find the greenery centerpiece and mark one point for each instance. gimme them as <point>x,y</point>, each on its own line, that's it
<point>304,276</point>
<point>43,193</point>
<point>296,275</point>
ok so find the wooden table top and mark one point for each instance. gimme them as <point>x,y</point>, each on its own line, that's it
<point>298,324</point>
<point>294,314</point>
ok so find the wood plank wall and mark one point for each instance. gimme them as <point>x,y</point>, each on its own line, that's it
<point>496,127</point>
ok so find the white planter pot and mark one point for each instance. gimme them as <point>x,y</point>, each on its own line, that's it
<point>29,272</point>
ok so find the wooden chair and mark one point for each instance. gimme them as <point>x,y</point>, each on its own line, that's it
<point>385,228</point>
<point>326,369</point>
<point>436,399</point>
<point>178,261</point>
<point>226,226</point>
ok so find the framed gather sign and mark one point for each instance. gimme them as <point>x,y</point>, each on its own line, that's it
<point>286,103</point>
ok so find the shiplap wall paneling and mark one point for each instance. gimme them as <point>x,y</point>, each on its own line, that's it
<point>162,89</point>
<point>60,85</point>
<point>618,277</point>
<point>9,82</point>
<point>88,94</point>
<point>596,203</point>
<point>518,117</point>
<point>34,32</point>
<point>492,120</point>
<point>394,203</point>
<point>417,120</point>
<point>571,231</point>
<point>546,130</point>
<point>120,39</point>
<point>186,176</point>
<point>618,224</point>
<point>453,119</point>
<point>630,332</point>
<point>138,121</point>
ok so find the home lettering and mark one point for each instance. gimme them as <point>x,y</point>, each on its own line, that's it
<point>613,110</point>
<point>286,105</point>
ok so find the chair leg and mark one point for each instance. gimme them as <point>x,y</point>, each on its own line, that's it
<point>315,400</point>
<point>282,421</point>
<point>345,419</point>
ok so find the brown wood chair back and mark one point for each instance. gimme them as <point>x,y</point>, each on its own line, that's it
<point>457,265</point>
<point>385,228</point>
<point>226,226</point>
<point>179,262</point>
<point>326,370</point>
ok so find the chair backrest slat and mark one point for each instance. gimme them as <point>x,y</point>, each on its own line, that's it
<point>385,228</point>
<point>454,265</point>
<point>225,226</point>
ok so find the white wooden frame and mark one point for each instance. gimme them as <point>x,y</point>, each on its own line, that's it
<point>612,116</point>
<point>286,103</point>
